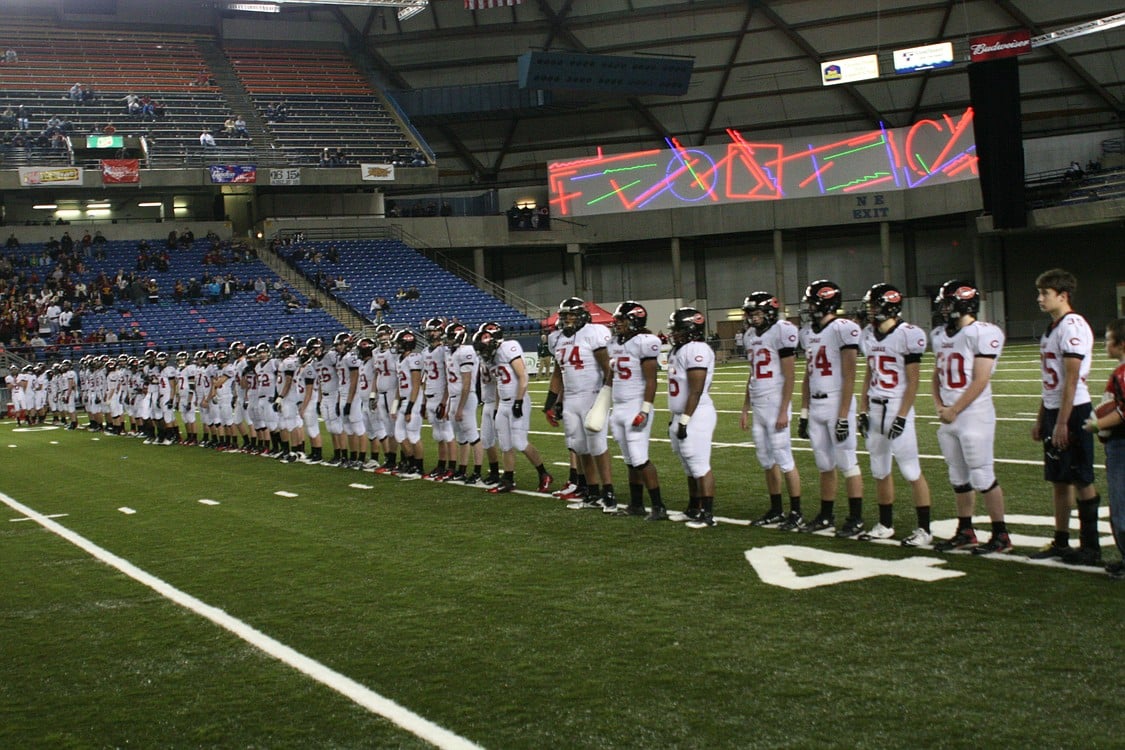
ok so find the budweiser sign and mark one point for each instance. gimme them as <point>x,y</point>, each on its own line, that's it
<point>996,46</point>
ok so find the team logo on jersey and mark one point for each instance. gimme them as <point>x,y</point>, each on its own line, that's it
<point>1075,341</point>
<point>698,358</point>
<point>994,344</point>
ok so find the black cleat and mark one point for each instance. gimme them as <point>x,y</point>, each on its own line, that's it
<point>963,539</point>
<point>769,519</point>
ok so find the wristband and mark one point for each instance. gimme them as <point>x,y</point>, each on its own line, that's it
<point>552,397</point>
<point>684,419</point>
<point>410,406</point>
<point>804,413</point>
<point>646,407</point>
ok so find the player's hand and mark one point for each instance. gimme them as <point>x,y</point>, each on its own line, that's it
<point>552,418</point>
<point>803,428</point>
<point>1035,434</point>
<point>842,430</point>
<point>782,422</point>
<point>439,412</point>
<point>168,404</point>
<point>744,421</point>
<point>373,404</point>
<point>640,420</point>
<point>1061,436</point>
<point>947,415</point>
<point>277,404</point>
<point>1091,424</point>
<point>862,423</point>
<point>347,410</point>
<point>408,416</point>
<point>517,408</point>
<point>897,427</point>
<point>681,431</point>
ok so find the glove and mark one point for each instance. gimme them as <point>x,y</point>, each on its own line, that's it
<point>681,427</point>
<point>168,404</point>
<point>641,419</point>
<point>803,425</point>
<point>862,423</point>
<point>373,403</point>
<point>277,403</point>
<point>842,430</point>
<point>395,404</point>
<point>347,410</point>
<point>439,412</point>
<point>897,427</point>
<point>552,416</point>
<point>517,409</point>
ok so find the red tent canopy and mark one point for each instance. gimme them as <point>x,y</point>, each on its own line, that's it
<point>597,315</point>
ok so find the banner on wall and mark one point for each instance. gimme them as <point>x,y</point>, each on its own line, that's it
<point>226,174</point>
<point>121,171</point>
<point>377,172</point>
<point>36,177</point>
<point>287,176</point>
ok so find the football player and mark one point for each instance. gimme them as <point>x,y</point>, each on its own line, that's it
<point>462,370</point>
<point>513,411</point>
<point>1065,351</point>
<point>333,380</point>
<point>382,431</point>
<point>828,414</point>
<point>894,350</point>
<point>352,385</point>
<point>164,413</point>
<point>691,367</point>
<point>290,395</point>
<point>583,371</point>
<point>187,375</point>
<point>308,356</point>
<point>489,401</point>
<point>68,394</point>
<point>1110,427</point>
<point>770,344</point>
<point>965,354</point>
<point>633,353</point>
<point>408,422</point>
<point>434,380</point>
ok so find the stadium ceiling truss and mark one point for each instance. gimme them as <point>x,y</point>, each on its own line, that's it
<point>756,70</point>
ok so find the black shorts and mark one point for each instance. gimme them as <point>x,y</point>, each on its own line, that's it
<point>1075,464</point>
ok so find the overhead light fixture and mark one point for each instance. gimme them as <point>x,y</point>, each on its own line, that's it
<point>359,3</point>
<point>409,11</point>
<point>150,204</point>
<point>95,212</point>
<point>97,205</point>
<point>70,212</point>
<point>46,206</point>
<point>255,7</point>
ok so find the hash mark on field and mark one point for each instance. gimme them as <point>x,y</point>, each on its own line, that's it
<point>283,493</point>
<point>358,486</point>
<point>127,511</point>
<point>206,501</point>
<point>25,518</point>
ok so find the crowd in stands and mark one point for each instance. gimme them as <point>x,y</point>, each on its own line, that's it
<point>334,157</point>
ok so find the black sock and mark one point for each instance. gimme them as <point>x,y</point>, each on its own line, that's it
<point>573,477</point>
<point>826,508</point>
<point>509,477</point>
<point>708,504</point>
<point>795,504</point>
<point>476,470</point>
<point>775,504</point>
<point>594,490</point>
<point>923,513</point>
<point>636,495</point>
<point>855,507</point>
<point>461,469</point>
<point>654,494</point>
<point>1062,538</point>
<point>1088,522</point>
<point>493,469</point>
<point>541,470</point>
<point>964,523</point>
<point>999,527</point>
<point>887,515</point>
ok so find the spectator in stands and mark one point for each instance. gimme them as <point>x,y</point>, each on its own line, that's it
<point>13,242</point>
<point>23,117</point>
<point>206,140</point>
<point>37,340</point>
<point>153,292</point>
<point>1074,171</point>
<point>333,254</point>
<point>88,94</point>
<point>179,290</point>
<point>400,294</point>
<point>66,317</point>
<point>99,238</point>
<point>194,289</point>
<point>11,57</point>
<point>203,79</point>
<point>412,293</point>
<point>377,308</point>
<point>8,118</point>
<point>76,92</point>
<point>110,337</point>
<point>214,290</point>
<point>228,126</point>
<point>341,284</point>
<point>240,127</point>
<point>1093,166</point>
<point>544,214</point>
<point>417,158</point>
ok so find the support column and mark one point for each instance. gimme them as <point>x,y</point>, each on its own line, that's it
<point>885,247</point>
<point>778,268</point>
<point>576,252</point>
<point>677,273</point>
<point>910,260</point>
<point>478,262</point>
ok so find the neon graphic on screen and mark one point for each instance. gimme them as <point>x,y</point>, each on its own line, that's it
<point>930,152</point>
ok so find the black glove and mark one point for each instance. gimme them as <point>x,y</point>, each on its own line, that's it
<point>897,427</point>
<point>517,408</point>
<point>347,409</point>
<point>681,431</point>
<point>803,428</point>
<point>861,423</point>
<point>439,411</point>
<point>842,430</point>
<point>168,404</point>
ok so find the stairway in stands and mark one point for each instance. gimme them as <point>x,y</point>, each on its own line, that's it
<point>236,95</point>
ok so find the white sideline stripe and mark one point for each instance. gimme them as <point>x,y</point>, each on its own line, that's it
<point>358,486</point>
<point>25,518</point>
<point>349,688</point>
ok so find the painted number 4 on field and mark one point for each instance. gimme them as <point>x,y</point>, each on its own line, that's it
<point>772,566</point>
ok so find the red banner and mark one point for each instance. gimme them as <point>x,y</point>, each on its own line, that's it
<point>120,171</point>
<point>996,46</point>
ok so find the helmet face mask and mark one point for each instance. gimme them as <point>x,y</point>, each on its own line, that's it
<point>955,300</point>
<point>434,329</point>
<point>365,348</point>
<point>455,335</point>
<point>573,315</point>
<point>405,341</point>
<point>822,298</point>
<point>342,342</point>
<point>487,340</point>
<point>687,324</point>
<point>760,310</point>
<point>629,319</point>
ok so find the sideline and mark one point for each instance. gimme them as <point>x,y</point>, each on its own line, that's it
<point>349,688</point>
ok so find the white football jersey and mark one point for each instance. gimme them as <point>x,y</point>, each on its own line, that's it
<point>386,370</point>
<point>764,352</point>
<point>433,372</point>
<point>327,376</point>
<point>955,355</point>
<point>888,355</point>
<point>691,356</point>
<point>507,384</point>
<point>409,363</point>
<point>822,353</point>
<point>462,360</point>
<point>575,357</point>
<point>625,359</point>
<point>290,369</point>
<point>1069,336</point>
<point>486,372</point>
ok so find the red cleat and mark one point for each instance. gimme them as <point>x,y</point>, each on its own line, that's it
<point>545,483</point>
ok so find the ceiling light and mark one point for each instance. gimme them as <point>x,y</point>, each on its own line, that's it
<point>150,204</point>
<point>95,212</point>
<point>409,11</point>
<point>96,205</point>
<point>255,7</point>
<point>46,206</point>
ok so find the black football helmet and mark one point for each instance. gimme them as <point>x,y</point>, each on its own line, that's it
<point>365,347</point>
<point>573,314</point>
<point>954,300</point>
<point>687,324</point>
<point>760,310</point>
<point>455,335</point>
<point>286,346</point>
<point>405,341</point>
<point>434,328</point>
<point>237,349</point>
<point>822,298</point>
<point>485,342</point>
<point>221,357</point>
<point>342,342</point>
<point>384,334</point>
<point>303,354</point>
<point>629,319</point>
<point>882,302</point>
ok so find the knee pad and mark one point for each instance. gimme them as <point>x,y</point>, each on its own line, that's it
<point>961,489</point>
<point>852,472</point>
<point>994,485</point>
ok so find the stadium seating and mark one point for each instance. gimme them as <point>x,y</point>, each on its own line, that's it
<point>380,268</point>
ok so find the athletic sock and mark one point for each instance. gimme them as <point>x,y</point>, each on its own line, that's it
<point>1088,522</point>
<point>654,495</point>
<point>541,470</point>
<point>855,507</point>
<point>775,504</point>
<point>636,495</point>
<point>887,515</point>
<point>827,508</point>
<point>795,504</point>
<point>923,514</point>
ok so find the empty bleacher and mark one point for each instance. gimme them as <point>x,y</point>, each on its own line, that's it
<point>381,267</point>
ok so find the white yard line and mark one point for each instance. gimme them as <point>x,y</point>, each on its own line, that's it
<point>349,688</point>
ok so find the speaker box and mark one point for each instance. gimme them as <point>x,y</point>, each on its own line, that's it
<point>994,88</point>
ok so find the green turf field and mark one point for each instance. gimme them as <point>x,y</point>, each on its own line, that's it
<point>513,622</point>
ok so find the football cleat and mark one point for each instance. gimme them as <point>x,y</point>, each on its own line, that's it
<point>472,479</point>
<point>570,487</point>
<point>575,494</point>
<point>501,489</point>
<point>963,539</point>
<point>793,522</point>
<point>1086,556</point>
<point>918,538</point>
<point>878,531</point>
<point>590,503</point>
<point>658,513</point>
<point>820,523</point>
<point>490,479</point>
<point>704,521</point>
<point>1116,570</point>
<point>852,527</point>
<point>545,483</point>
<point>633,510</point>
<point>769,519</point>
<point>999,543</point>
<point>1050,551</point>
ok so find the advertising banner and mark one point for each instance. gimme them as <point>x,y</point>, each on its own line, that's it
<point>225,174</point>
<point>996,46</point>
<point>50,176</point>
<point>120,171</point>
<point>377,172</point>
<point>287,176</point>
